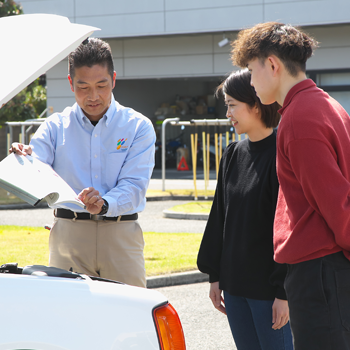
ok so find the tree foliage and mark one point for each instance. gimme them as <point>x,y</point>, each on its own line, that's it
<point>28,104</point>
<point>10,8</point>
<point>31,101</point>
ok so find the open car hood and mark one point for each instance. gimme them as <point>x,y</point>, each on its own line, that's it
<point>31,45</point>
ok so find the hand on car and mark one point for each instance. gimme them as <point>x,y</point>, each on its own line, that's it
<point>215,295</point>
<point>20,148</point>
<point>92,200</point>
<point>280,313</point>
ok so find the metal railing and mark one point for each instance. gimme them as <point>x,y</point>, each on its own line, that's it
<point>193,122</point>
<point>24,132</point>
<point>26,127</point>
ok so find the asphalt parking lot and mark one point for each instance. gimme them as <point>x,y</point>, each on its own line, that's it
<point>151,219</point>
<point>204,327</point>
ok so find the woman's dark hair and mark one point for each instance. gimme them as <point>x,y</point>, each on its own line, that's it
<point>90,52</point>
<point>237,85</point>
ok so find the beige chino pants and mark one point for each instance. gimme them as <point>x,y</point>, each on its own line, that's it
<point>107,249</point>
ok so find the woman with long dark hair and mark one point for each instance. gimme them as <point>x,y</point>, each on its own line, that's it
<point>237,246</point>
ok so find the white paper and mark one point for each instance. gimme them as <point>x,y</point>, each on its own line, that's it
<point>32,180</point>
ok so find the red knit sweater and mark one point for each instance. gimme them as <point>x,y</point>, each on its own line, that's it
<point>313,166</point>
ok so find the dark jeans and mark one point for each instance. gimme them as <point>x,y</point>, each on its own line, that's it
<point>318,293</point>
<point>251,325</point>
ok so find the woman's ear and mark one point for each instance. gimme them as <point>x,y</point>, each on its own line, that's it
<point>256,109</point>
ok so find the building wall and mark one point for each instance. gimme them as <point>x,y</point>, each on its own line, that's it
<point>166,47</point>
<point>155,40</point>
<point>149,58</point>
<point>120,18</point>
<point>334,47</point>
<point>190,56</point>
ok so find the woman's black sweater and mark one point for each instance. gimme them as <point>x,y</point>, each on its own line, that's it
<point>237,245</point>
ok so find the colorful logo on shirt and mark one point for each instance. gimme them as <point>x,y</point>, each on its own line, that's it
<point>120,145</point>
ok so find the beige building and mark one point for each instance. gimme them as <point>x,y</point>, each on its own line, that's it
<point>164,48</point>
<point>167,49</point>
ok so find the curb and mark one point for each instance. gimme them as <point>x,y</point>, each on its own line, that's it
<point>186,216</point>
<point>42,205</point>
<point>176,279</point>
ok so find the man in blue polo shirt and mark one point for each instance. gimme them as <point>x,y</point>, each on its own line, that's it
<point>105,152</point>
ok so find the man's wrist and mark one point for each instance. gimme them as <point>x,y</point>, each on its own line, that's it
<point>104,208</point>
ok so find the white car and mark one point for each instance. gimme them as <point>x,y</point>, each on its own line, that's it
<point>45,308</point>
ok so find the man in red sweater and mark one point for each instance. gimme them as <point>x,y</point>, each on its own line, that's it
<point>312,221</point>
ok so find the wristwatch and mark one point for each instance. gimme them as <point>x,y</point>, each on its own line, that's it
<point>104,208</point>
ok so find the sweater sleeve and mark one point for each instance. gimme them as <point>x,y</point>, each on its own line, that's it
<point>279,271</point>
<point>209,255</point>
<point>326,189</point>
<point>277,280</point>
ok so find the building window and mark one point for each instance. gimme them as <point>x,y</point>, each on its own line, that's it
<point>333,79</point>
<point>336,83</point>
<point>343,97</point>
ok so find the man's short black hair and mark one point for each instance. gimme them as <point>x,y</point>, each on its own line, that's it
<point>90,52</point>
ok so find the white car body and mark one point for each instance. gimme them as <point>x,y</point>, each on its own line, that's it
<point>54,313</point>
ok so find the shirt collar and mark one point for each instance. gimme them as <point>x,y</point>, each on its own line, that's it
<point>303,85</point>
<point>110,111</point>
<point>109,114</point>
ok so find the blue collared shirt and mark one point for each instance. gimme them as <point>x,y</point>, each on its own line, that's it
<point>116,157</point>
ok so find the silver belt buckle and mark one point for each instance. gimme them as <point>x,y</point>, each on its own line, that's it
<point>97,217</point>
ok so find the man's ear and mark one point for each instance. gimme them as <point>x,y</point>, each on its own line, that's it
<point>71,82</point>
<point>274,64</point>
<point>113,80</point>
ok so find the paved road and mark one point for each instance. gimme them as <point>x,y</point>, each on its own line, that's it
<point>205,328</point>
<point>151,219</point>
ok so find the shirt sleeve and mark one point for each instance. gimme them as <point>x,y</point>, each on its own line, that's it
<point>43,143</point>
<point>135,174</point>
<point>326,189</point>
<point>209,255</point>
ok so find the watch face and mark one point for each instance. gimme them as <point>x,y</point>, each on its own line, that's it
<point>104,209</point>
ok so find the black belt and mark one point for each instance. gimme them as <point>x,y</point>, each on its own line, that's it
<point>68,214</point>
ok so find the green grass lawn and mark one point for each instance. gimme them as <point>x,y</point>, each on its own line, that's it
<point>164,252</point>
<point>193,207</point>
<point>171,252</point>
<point>25,245</point>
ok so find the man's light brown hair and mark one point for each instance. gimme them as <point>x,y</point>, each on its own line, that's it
<point>291,45</point>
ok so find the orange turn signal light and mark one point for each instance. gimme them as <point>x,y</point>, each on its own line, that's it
<point>169,328</point>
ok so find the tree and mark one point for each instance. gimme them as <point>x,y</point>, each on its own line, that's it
<point>16,109</point>
<point>36,96</point>
<point>31,101</point>
<point>10,8</point>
